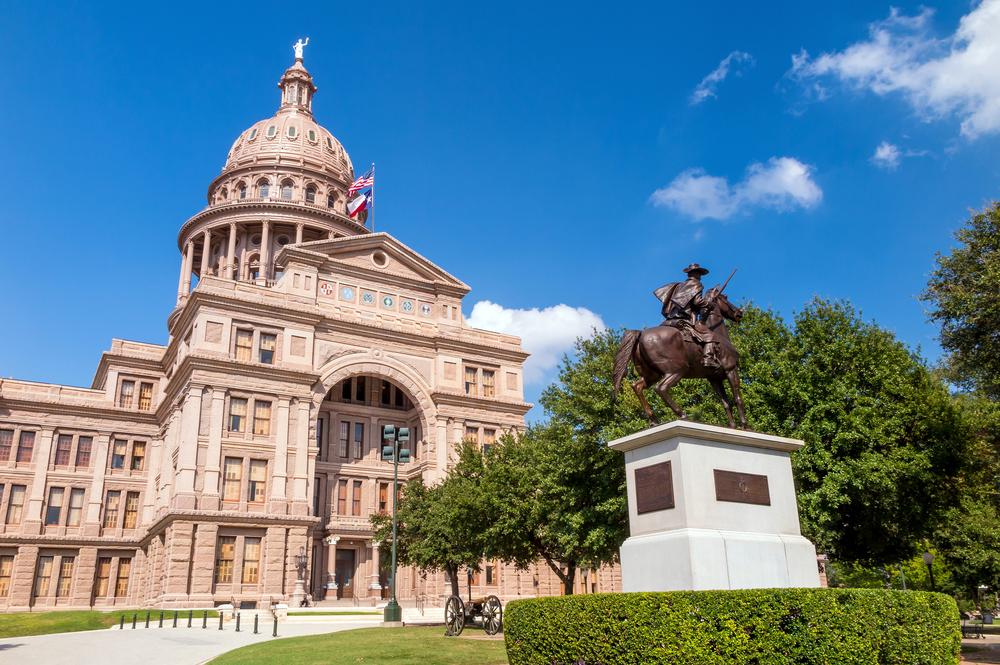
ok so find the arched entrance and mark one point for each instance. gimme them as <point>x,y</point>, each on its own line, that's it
<point>357,397</point>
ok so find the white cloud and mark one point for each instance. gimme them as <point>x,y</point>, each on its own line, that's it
<point>545,333</point>
<point>887,156</point>
<point>709,84</point>
<point>958,75</point>
<point>783,183</point>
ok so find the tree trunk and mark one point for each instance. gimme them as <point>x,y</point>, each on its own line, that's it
<point>568,579</point>
<point>453,575</point>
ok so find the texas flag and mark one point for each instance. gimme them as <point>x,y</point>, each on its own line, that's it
<point>359,204</point>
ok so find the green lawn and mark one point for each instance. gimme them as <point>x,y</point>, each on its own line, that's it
<point>19,624</point>
<point>417,645</point>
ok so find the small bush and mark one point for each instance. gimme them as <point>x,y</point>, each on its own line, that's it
<point>753,626</point>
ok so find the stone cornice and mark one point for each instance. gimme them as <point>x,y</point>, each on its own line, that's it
<point>481,403</point>
<point>75,540</point>
<point>104,411</point>
<point>225,517</point>
<point>124,360</point>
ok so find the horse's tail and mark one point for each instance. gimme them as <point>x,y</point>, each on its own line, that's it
<point>624,355</point>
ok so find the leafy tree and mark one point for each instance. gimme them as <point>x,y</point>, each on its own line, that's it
<point>439,527</point>
<point>964,294</point>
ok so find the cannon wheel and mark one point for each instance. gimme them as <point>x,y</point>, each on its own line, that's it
<point>454,617</point>
<point>492,615</point>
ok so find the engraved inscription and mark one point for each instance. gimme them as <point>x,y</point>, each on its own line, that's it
<point>654,488</point>
<point>742,488</point>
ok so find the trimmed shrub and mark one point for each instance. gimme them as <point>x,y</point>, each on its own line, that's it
<point>752,626</point>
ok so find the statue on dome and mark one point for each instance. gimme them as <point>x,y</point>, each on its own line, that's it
<point>298,46</point>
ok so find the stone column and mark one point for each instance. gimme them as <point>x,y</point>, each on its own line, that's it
<point>99,458</point>
<point>180,279</point>
<point>167,469</point>
<point>188,267</point>
<point>187,455</point>
<point>231,253</point>
<point>331,566</point>
<point>22,581</point>
<point>153,460</point>
<point>299,228</point>
<point>375,586</point>
<point>206,245</point>
<point>265,251</point>
<point>210,490</point>
<point>279,497</point>
<point>301,459</point>
<point>36,497</point>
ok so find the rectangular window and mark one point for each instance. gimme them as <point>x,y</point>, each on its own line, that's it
<point>16,505</point>
<point>472,434</point>
<point>125,394</point>
<point>64,443</point>
<point>489,438</point>
<point>118,454</point>
<point>399,399</point>
<point>65,581</point>
<point>244,345</point>
<point>345,390</point>
<point>145,396</point>
<point>138,455</point>
<point>359,440</point>
<point>261,418</point>
<point>43,576</point>
<point>489,383</point>
<point>359,389</point>
<point>385,395</point>
<point>490,575</point>
<point>53,509</point>
<point>237,414</point>
<point>6,443</point>
<point>224,560</point>
<point>319,434</point>
<point>103,577</point>
<point>111,508</point>
<point>268,343</point>
<point>75,507</point>
<point>471,383</point>
<point>258,476</point>
<point>232,477</point>
<point>345,428</point>
<point>6,570</point>
<point>25,446</point>
<point>251,560</point>
<point>341,497</point>
<point>121,583</point>
<point>383,497</point>
<point>83,447</point>
<point>131,509</point>
<point>356,499</point>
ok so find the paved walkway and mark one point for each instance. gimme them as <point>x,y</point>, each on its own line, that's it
<point>152,646</point>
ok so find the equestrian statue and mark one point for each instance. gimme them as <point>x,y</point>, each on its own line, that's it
<point>692,342</point>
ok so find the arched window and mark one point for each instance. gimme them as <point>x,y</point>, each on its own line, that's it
<point>263,188</point>
<point>253,267</point>
<point>331,200</point>
<point>310,194</point>
<point>242,189</point>
<point>223,195</point>
<point>286,190</point>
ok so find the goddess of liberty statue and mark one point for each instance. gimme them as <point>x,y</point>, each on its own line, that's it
<point>298,46</point>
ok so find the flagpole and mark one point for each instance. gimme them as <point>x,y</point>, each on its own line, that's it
<point>373,197</point>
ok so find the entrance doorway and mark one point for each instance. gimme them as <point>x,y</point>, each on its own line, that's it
<point>345,573</point>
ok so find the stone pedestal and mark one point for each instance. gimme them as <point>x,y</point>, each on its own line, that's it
<point>712,508</point>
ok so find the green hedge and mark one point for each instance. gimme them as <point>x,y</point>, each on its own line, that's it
<point>754,626</point>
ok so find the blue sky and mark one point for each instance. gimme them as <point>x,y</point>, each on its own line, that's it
<point>545,154</point>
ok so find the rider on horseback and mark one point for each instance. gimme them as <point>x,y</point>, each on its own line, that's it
<point>683,305</point>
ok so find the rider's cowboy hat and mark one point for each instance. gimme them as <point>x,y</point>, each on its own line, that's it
<point>695,269</point>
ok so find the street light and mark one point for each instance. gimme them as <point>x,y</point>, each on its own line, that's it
<point>929,560</point>
<point>395,449</point>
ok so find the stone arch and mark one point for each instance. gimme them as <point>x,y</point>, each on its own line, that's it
<point>376,363</point>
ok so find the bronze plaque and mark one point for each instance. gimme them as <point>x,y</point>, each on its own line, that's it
<point>654,488</point>
<point>742,488</point>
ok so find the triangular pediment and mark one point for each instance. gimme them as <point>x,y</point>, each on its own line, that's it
<point>377,254</point>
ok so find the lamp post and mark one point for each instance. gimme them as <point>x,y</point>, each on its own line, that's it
<point>929,560</point>
<point>395,449</point>
<point>299,594</point>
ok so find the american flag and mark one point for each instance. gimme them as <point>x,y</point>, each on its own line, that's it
<point>367,180</point>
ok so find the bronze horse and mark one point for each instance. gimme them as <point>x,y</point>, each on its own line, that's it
<point>662,358</point>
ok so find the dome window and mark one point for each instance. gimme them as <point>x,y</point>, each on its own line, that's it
<point>329,143</point>
<point>252,135</point>
<point>255,240</point>
<point>311,134</point>
<point>282,240</point>
<point>292,131</point>
<point>272,131</point>
<point>310,194</point>
<point>263,188</point>
<point>242,189</point>
<point>223,195</point>
<point>286,190</point>
<point>331,200</point>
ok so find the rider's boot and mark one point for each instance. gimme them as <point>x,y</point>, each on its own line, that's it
<point>711,359</point>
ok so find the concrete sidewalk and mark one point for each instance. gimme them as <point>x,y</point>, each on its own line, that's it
<point>152,646</point>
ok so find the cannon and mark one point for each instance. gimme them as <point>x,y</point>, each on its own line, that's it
<point>458,613</point>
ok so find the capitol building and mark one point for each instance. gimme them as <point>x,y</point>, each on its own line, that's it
<point>193,474</point>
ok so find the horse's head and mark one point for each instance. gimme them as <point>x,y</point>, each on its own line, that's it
<point>718,300</point>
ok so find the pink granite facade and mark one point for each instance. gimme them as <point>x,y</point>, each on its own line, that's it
<point>192,474</point>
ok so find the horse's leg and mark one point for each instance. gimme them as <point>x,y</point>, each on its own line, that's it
<point>639,386</point>
<point>663,387</point>
<point>734,383</point>
<point>720,390</point>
